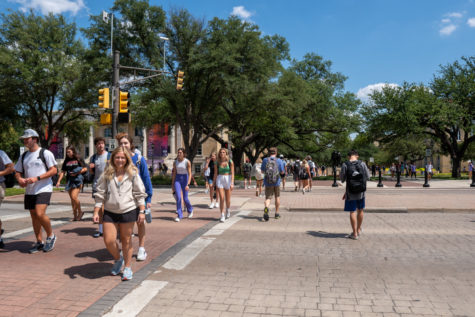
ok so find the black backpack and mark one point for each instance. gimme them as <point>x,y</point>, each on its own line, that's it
<point>296,168</point>
<point>9,179</point>
<point>303,174</point>
<point>355,177</point>
<point>247,167</point>
<point>54,178</point>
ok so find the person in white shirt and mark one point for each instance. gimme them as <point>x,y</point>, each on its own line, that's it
<point>34,170</point>
<point>122,193</point>
<point>6,168</point>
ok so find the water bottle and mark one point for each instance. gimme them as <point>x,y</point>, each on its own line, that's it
<point>148,215</point>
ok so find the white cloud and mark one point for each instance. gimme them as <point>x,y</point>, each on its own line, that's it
<point>455,15</point>
<point>363,93</point>
<point>447,30</point>
<point>241,12</point>
<point>446,21</point>
<point>471,22</point>
<point>53,6</point>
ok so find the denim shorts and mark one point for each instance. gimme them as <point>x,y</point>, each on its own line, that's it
<point>352,205</point>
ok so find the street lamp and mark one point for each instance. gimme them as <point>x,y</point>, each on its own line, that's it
<point>336,158</point>
<point>164,39</point>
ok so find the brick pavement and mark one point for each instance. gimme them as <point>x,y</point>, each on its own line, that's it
<point>302,265</point>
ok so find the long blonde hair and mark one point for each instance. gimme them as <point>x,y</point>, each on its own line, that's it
<point>219,155</point>
<point>129,166</point>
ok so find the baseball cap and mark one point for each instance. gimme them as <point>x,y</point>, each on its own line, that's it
<point>29,133</point>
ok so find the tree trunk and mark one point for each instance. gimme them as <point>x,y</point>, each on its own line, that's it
<point>237,159</point>
<point>456,167</point>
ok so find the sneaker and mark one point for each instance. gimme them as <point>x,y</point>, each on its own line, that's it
<point>352,236</point>
<point>222,219</point>
<point>266,214</point>
<point>277,216</point>
<point>190,215</point>
<point>216,205</point>
<point>49,245</point>
<point>228,213</point>
<point>37,247</point>
<point>257,193</point>
<point>117,266</point>
<point>303,191</point>
<point>206,191</point>
<point>141,255</point>
<point>127,274</point>
<point>211,206</point>
<point>177,219</point>
<point>97,234</point>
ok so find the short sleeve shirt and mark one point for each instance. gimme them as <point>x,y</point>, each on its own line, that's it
<point>280,165</point>
<point>33,166</point>
<point>4,160</point>
<point>70,165</point>
<point>100,163</point>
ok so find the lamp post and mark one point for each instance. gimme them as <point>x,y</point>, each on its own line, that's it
<point>380,183</point>
<point>426,176</point>
<point>164,39</point>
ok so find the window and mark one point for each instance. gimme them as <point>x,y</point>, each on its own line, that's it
<point>108,132</point>
<point>197,168</point>
<point>138,132</point>
<point>200,150</point>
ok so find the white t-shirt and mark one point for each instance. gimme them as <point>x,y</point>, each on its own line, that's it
<point>256,171</point>
<point>4,160</point>
<point>35,167</point>
<point>100,164</point>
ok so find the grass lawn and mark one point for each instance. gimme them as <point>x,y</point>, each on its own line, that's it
<point>20,191</point>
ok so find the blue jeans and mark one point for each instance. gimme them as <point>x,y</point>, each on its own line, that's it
<point>180,183</point>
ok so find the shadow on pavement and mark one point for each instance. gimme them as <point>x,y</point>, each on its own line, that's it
<point>80,231</point>
<point>100,255</point>
<point>323,234</point>
<point>89,271</point>
<point>20,246</point>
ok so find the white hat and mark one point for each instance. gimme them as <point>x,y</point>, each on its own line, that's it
<point>29,133</point>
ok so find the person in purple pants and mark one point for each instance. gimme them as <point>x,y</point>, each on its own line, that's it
<point>181,178</point>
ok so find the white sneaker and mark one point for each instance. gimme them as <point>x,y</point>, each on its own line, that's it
<point>206,191</point>
<point>228,214</point>
<point>222,219</point>
<point>216,205</point>
<point>177,219</point>
<point>190,215</point>
<point>211,206</point>
<point>141,255</point>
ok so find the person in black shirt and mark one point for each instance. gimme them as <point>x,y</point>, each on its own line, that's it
<point>74,168</point>
<point>210,162</point>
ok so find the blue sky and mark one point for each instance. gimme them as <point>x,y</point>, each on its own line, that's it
<point>372,42</point>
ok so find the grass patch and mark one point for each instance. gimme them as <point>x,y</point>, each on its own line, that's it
<point>14,191</point>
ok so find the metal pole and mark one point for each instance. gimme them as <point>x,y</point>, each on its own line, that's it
<point>380,183</point>
<point>334,176</point>
<point>426,181</point>
<point>473,178</point>
<point>112,32</point>
<point>398,175</point>
<point>115,91</point>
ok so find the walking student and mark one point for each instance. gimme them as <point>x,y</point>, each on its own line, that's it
<point>224,179</point>
<point>272,167</point>
<point>305,176</point>
<point>122,193</point>
<point>355,173</point>
<point>246,170</point>
<point>97,165</point>
<point>74,168</point>
<point>213,196</point>
<point>284,174</point>
<point>181,177</point>
<point>257,173</point>
<point>34,170</point>
<point>140,163</point>
<point>6,168</point>
<point>311,166</point>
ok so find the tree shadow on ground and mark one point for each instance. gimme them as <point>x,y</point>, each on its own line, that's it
<point>15,245</point>
<point>80,231</point>
<point>259,218</point>
<point>100,255</point>
<point>89,271</point>
<point>323,234</point>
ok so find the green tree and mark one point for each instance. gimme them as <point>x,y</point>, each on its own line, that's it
<point>43,75</point>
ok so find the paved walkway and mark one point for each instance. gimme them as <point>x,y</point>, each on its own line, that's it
<point>74,277</point>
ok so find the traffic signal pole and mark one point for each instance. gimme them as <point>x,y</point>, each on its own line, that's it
<point>115,92</point>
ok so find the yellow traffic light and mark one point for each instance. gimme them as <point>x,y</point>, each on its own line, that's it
<point>124,101</point>
<point>106,118</point>
<point>104,98</point>
<point>179,80</point>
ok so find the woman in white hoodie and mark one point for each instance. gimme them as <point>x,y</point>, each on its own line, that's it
<point>123,194</point>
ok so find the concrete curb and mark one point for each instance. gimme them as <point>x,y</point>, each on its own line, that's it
<point>387,210</point>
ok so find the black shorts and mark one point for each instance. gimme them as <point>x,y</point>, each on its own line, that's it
<point>40,199</point>
<point>129,216</point>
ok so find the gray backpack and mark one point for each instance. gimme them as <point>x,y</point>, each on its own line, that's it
<point>272,174</point>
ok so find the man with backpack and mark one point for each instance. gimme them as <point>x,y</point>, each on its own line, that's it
<point>246,169</point>
<point>6,168</point>
<point>355,173</point>
<point>272,167</point>
<point>296,173</point>
<point>97,165</point>
<point>34,170</point>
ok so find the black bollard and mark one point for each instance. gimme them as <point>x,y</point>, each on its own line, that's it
<point>473,179</point>
<point>380,184</point>
<point>398,177</point>
<point>426,179</point>
<point>334,177</point>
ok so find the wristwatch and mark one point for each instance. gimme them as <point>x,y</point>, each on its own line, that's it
<point>38,178</point>
<point>141,211</point>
